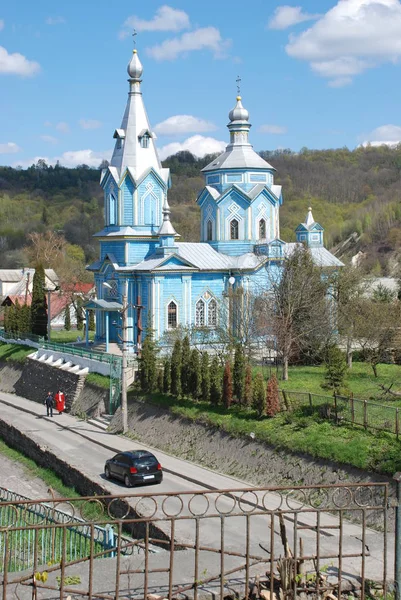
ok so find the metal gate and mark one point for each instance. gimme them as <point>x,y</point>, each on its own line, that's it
<point>115,383</point>
<point>271,543</point>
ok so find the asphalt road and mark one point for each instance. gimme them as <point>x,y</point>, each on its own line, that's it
<point>86,447</point>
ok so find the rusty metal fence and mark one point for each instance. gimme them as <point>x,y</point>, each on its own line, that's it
<point>370,415</point>
<point>271,542</point>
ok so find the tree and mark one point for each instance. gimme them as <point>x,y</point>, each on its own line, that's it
<point>272,397</point>
<point>185,366</point>
<point>92,325</point>
<point>239,373</point>
<point>160,381</point>
<point>45,248</point>
<point>248,386</point>
<point>195,375</point>
<point>259,395</point>
<point>25,319</point>
<point>335,369</point>
<point>296,310</point>
<point>215,381</point>
<point>176,362</point>
<point>79,312</point>
<point>38,303</point>
<point>227,385</point>
<point>148,363</point>
<point>166,376</point>
<point>205,371</point>
<point>67,318</point>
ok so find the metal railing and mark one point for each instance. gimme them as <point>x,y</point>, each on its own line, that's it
<point>291,542</point>
<point>370,415</point>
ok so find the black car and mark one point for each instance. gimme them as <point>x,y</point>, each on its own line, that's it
<point>136,466</point>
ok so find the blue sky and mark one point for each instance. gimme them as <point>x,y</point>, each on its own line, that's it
<point>317,73</point>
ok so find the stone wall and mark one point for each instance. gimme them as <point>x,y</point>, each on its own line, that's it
<point>92,401</point>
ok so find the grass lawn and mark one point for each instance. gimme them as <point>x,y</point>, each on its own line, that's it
<point>14,352</point>
<point>360,379</point>
<point>65,337</point>
<point>299,431</point>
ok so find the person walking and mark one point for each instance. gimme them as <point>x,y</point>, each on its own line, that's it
<point>60,401</point>
<point>49,403</point>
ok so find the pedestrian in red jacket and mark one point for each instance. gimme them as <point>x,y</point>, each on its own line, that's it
<point>60,402</point>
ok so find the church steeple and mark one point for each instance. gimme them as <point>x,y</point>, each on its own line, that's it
<point>309,232</point>
<point>135,147</point>
<point>166,233</point>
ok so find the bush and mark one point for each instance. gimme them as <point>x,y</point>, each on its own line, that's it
<point>227,386</point>
<point>259,395</point>
<point>215,381</point>
<point>336,369</point>
<point>205,372</point>
<point>272,397</point>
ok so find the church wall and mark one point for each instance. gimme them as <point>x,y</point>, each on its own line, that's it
<point>139,250</point>
<point>233,248</point>
<point>115,248</point>
<point>268,214</point>
<point>127,191</point>
<point>228,211</point>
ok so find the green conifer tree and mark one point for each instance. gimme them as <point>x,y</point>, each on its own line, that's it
<point>17,317</point>
<point>272,397</point>
<point>336,369</point>
<point>11,320</point>
<point>215,381</point>
<point>205,372</point>
<point>39,304</point>
<point>167,376</point>
<point>79,312</point>
<point>185,366</point>
<point>25,319</point>
<point>227,386</point>
<point>67,318</point>
<point>239,374</point>
<point>195,375</point>
<point>148,363</point>
<point>6,319</point>
<point>92,325</point>
<point>259,395</point>
<point>160,381</point>
<point>248,386</point>
<point>176,362</point>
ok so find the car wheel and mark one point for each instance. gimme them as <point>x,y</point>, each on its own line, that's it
<point>107,472</point>
<point>127,481</point>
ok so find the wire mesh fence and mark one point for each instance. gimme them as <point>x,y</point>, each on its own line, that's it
<point>370,415</point>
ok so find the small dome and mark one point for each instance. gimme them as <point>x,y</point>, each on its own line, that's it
<point>238,113</point>
<point>135,68</point>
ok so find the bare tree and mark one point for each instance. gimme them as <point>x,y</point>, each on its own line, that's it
<point>296,311</point>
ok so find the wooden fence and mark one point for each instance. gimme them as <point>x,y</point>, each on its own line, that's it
<point>379,417</point>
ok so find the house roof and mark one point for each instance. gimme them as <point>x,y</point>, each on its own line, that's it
<point>321,256</point>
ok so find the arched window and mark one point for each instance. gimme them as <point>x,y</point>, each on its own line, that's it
<point>200,314</point>
<point>234,227</point>
<point>112,210</point>
<point>262,229</point>
<point>209,230</point>
<point>172,315</point>
<point>212,313</point>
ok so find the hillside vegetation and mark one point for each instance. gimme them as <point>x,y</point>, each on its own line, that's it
<point>350,191</point>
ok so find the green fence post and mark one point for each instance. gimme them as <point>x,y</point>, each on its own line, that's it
<point>397,565</point>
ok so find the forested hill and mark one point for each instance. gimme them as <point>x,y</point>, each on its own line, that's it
<point>350,191</point>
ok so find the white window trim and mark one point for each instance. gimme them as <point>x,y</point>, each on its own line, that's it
<point>206,309</point>
<point>177,313</point>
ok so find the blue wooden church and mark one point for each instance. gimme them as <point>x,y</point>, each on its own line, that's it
<point>171,284</point>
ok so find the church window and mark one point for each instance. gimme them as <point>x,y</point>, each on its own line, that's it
<point>212,313</point>
<point>209,230</point>
<point>112,210</point>
<point>200,314</point>
<point>234,227</point>
<point>172,315</point>
<point>144,141</point>
<point>262,229</point>
<point>112,291</point>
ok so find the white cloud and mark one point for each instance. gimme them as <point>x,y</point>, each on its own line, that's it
<point>286,16</point>
<point>17,64</point>
<point>273,129</point>
<point>90,124</point>
<point>71,158</point>
<point>49,139</point>
<point>353,36</point>
<point>55,20</point>
<point>389,135</point>
<point>1,24</point>
<point>199,145</point>
<point>47,124</point>
<point>63,127</point>
<point>206,38</point>
<point>9,148</point>
<point>165,19</point>
<point>179,124</point>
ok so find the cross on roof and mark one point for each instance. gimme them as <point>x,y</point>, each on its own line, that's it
<point>238,80</point>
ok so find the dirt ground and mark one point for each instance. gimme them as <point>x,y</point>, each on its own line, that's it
<point>16,478</point>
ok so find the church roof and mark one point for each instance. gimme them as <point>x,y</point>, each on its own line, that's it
<point>238,157</point>
<point>128,151</point>
<point>321,256</point>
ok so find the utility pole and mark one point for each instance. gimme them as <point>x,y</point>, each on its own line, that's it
<point>124,402</point>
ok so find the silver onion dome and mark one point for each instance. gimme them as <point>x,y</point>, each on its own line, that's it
<point>238,113</point>
<point>135,68</point>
